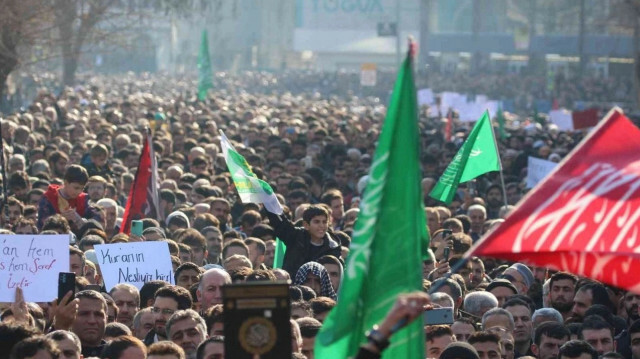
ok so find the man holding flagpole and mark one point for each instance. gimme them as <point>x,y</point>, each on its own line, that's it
<point>303,244</point>
<point>307,243</point>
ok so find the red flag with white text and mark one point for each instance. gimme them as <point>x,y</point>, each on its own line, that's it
<point>584,217</point>
<point>142,201</point>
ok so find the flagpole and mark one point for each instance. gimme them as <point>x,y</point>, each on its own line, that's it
<point>5,211</point>
<point>504,190</point>
<point>495,143</point>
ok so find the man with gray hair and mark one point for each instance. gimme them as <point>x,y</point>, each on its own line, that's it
<point>121,141</point>
<point>498,317</point>
<point>546,315</point>
<point>17,163</point>
<point>110,208</point>
<point>187,329</point>
<point>174,172</point>
<point>450,287</point>
<point>143,322</point>
<point>478,303</point>
<point>442,299</point>
<point>127,299</point>
<point>478,215</point>
<point>209,291</point>
<point>39,166</point>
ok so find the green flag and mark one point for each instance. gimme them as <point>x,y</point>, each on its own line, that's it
<point>501,124</point>
<point>477,156</point>
<point>250,188</point>
<point>388,239</point>
<point>278,256</point>
<point>205,75</point>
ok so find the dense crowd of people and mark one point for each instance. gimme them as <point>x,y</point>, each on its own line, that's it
<point>71,160</point>
<point>522,94</point>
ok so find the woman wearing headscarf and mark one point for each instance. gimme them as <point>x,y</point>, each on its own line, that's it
<point>315,276</point>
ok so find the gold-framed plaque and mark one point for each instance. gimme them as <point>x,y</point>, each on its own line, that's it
<point>256,320</point>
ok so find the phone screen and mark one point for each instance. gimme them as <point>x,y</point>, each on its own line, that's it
<point>136,228</point>
<point>66,284</point>
<point>438,316</point>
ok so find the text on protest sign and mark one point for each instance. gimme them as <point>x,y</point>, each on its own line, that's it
<point>537,170</point>
<point>134,263</point>
<point>32,263</point>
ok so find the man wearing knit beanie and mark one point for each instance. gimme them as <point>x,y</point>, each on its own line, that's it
<point>177,220</point>
<point>459,350</point>
<point>520,276</point>
<point>502,289</point>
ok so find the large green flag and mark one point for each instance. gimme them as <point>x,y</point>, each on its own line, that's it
<point>477,156</point>
<point>205,74</point>
<point>385,257</point>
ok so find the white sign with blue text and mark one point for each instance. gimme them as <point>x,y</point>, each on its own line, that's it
<point>134,263</point>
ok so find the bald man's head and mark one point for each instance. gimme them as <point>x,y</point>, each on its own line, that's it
<point>210,289</point>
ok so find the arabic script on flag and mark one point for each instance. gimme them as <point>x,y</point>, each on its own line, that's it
<point>585,216</point>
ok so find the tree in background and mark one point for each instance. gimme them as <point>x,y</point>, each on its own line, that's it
<point>64,28</point>
<point>22,24</point>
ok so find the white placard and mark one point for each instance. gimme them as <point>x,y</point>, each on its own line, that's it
<point>32,263</point>
<point>134,263</point>
<point>425,97</point>
<point>473,111</point>
<point>562,118</point>
<point>481,99</point>
<point>451,100</point>
<point>368,75</point>
<point>537,170</point>
<point>470,111</point>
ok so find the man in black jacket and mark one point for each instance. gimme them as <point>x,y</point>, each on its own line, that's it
<point>307,243</point>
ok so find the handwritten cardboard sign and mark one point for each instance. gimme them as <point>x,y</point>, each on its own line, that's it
<point>134,263</point>
<point>32,263</point>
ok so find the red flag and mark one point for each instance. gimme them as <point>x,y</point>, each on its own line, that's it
<point>585,119</point>
<point>448,125</point>
<point>413,47</point>
<point>584,217</point>
<point>143,196</point>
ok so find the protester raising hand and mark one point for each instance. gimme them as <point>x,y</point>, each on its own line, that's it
<point>441,269</point>
<point>19,308</point>
<point>64,312</point>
